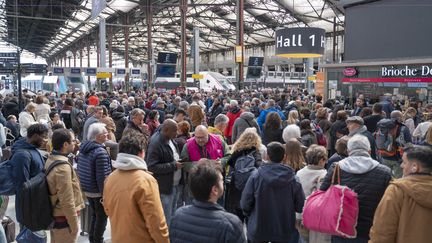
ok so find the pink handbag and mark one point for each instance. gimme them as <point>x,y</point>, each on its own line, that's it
<point>334,211</point>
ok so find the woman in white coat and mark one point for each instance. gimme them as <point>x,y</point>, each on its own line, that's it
<point>26,119</point>
<point>42,110</point>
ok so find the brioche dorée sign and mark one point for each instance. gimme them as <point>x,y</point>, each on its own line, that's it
<point>406,74</point>
<point>349,72</point>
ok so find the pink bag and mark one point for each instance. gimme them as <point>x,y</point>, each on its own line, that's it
<point>334,211</point>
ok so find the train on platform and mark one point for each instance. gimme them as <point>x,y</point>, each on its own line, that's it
<point>273,79</point>
<point>208,81</point>
<point>53,83</point>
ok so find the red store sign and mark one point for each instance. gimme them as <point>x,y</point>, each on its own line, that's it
<point>388,80</point>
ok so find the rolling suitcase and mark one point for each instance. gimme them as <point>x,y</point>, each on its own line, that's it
<point>85,215</point>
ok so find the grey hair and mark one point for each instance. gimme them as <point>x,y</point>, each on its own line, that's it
<point>221,119</point>
<point>234,103</point>
<point>184,105</point>
<point>291,131</point>
<point>96,129</point>
<point>136,112</point>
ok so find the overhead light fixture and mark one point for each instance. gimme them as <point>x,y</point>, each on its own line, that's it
<point>122,5</point>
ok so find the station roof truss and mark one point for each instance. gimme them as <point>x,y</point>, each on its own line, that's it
<point>49,28</point>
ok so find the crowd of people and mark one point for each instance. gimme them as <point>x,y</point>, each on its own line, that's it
<point>220,166</point>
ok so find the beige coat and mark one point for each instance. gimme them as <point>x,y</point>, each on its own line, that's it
<point>66,197</point>
<point>132,203</point>
<point>404,214</point>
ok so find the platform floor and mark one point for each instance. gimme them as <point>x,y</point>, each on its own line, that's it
<point>81,239</point>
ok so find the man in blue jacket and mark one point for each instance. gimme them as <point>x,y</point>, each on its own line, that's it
<point>205,220</point>
<point>271,198</point>
<point>26,160</point>
<point>94,166</point>
<point>271,108</point>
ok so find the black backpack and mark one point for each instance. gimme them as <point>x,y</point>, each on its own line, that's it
<point>35,204</point>
<point>243,169</point>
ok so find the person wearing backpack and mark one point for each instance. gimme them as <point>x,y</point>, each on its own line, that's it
<point>398,138</point>
<point>367,177</point>
<point>244,160</point>
<point>27,161</point>
<point>64,188</point>
<point>271,198</point>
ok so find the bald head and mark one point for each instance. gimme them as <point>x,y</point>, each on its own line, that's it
<point>169,128</point>
<point>201,135</point>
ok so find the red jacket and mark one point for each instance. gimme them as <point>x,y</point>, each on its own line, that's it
<point>233,114</point>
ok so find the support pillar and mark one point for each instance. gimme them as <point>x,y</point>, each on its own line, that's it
<point>334,39</point>
<point>74,58</point>
<point>88,62</point>
<point>126,54</point>
<point>81,55</point>
<point>97,50</point>
<point>150,63</point>
<point>65,62</point>
<point>183,11</point>
<point>110,56</point>
<point>240,40</point>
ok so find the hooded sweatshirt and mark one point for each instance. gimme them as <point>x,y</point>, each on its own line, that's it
<point>270,199</point>
<point>246,120</point>
<point>405,212</point>
<point>129,162</point>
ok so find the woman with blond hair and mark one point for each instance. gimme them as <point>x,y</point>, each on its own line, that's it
<point>428,139</point>
<point>26,118</point>
<point>408,119</point>
<point>294,155</point>
<point>42,110</point>
<point>246,147</point>
<point>293,117</point>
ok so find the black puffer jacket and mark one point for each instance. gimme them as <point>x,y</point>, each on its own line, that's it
<point>120,121</point>
<point>369,180</point>
<point>205,222</point>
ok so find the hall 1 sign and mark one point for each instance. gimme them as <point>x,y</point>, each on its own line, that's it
<point>300,42</point>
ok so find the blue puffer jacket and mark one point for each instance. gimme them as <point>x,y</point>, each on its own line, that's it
<point>94,165</point>
<point>270,199</point>
<point>27,162</point>
<point>205,222</point>
<point>263,115</point>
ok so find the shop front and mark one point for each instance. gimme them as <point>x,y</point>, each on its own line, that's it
<point>404,81</point>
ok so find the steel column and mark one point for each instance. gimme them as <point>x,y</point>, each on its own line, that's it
<point>97,50</point>
<point>102,42</point>
<point>183,11</point>
<point>88,62</point>
<point>110,55</point>
<point>81,55</point>
<point>334,39</point>
<point>150,63</point>
<point>240,40</point>
<point>126,54</point>
<point>74,57</point>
